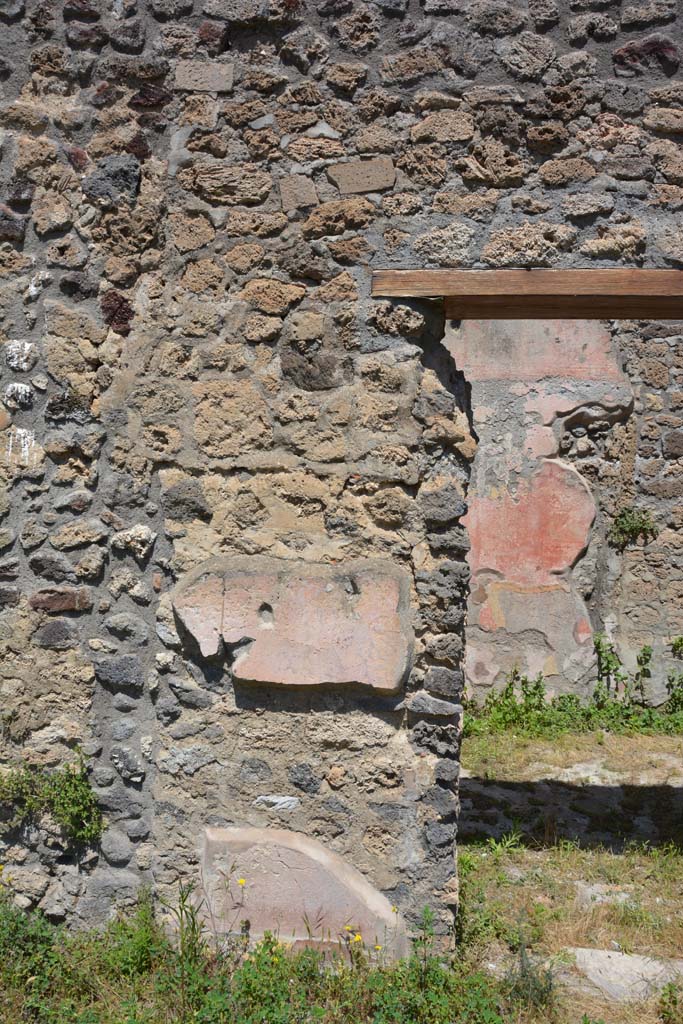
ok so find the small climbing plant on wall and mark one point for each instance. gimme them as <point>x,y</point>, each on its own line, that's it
<point>26,792</point>
<point>629,526</point>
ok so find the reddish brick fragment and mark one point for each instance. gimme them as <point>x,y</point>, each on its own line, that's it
<point>148,96</point>
<point>637,56</point>
<point>117,311</point>
<point>77,157</point>
<point>62,599</point>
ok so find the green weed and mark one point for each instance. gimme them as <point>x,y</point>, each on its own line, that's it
<point>133,973</point>
<point>629,525</point>
<point>480,920</point>
<point>674,689</point>
<point>531,986</point>
<point>507,843</point>
<point>27,792</point>
<point>617,705</point>
<point>671,1004</point>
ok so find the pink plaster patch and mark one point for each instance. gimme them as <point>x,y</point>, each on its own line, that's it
<point>532,537</point>
<point>295,888</point>
<point>540,441</point>
<point>582,631</point>
<point>297,624</point>
<point>529,518</point>
<point>487,619</point>
<point>533,349</point>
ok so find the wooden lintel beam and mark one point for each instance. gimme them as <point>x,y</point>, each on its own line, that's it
<point>529,294</point>
<point>605,306</point>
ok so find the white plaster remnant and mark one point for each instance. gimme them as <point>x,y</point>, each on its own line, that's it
<point>273,802</point>
<point>21,446</point>
<point>21,355</point>
<point>36,285</point>
<point>18,396</point>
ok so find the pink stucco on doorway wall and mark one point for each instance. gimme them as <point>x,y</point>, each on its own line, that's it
<point>529,350</point>
<point>530,513</point>
<point>532,536</point>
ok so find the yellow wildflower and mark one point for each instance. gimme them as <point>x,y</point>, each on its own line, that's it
<point>358,938</point>
<point>348,928</point>
<point>241,881</point>
<point>378,948</point>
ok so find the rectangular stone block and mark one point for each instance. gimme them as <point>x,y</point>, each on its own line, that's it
<point>62,599</point>
<point>297,192</point>
<point>204,76</point>
<point>302,625</point>
<point>363,175</point>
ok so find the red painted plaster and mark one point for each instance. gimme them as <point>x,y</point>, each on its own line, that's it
<point>532,536</point>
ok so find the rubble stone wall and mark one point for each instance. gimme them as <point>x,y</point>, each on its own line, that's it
<point>219,456</point>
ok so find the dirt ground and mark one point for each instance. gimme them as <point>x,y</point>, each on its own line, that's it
<point>575,842</point>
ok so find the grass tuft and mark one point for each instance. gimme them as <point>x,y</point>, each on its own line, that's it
<point>134,973</point>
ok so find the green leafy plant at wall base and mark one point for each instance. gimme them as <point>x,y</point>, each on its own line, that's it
<point>617,704</point>
<point>611,674</point>
<point>135,972</point>
<point>674,689</point>
<point>26,792</point>
<point>629,525</point>
<point>671,1004</point>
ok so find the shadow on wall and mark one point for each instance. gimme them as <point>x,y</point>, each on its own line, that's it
<point>547,811</point>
